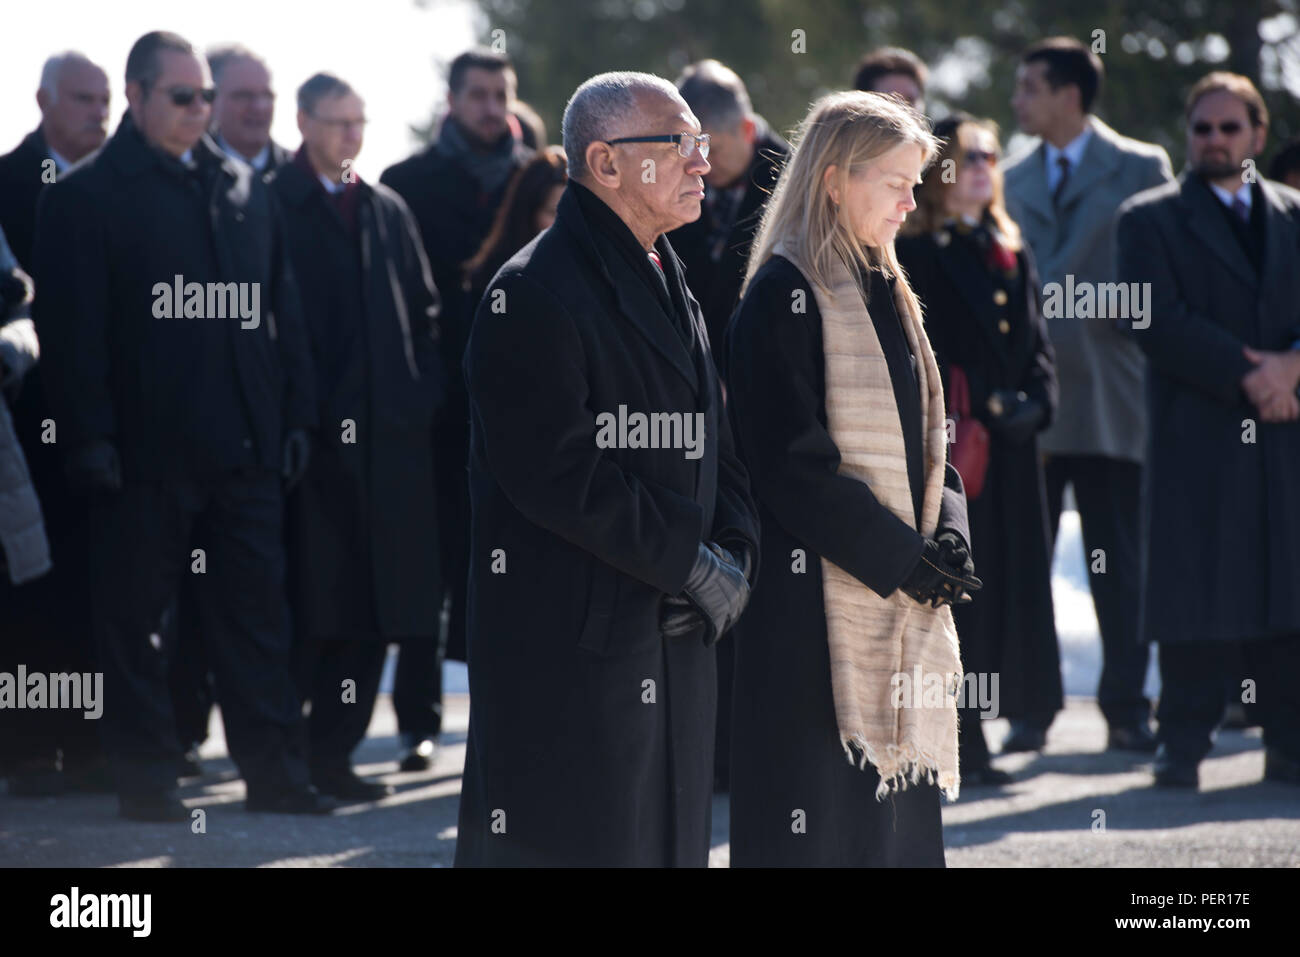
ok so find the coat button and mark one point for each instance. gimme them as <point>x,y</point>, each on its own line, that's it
<point>943,239</point>
<point>1003,326</point>
<point>1000,297</point>
<point>248,443</point>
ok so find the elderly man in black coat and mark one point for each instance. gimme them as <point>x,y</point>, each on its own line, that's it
<point>613,532</point>
<point>1218,251</point>
<point>49,619</point>
<point>363,540</point>
<point>182,388</point>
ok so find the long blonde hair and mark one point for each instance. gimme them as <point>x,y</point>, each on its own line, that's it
<point>847,130</point>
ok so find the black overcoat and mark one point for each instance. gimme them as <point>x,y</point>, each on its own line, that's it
<point>363,542</point>
<point>1009,629</point>
<point>454,214</point>
<point>179,396</point>
<point>786,754</point>
<point>591,736</point>
<point>1221,519</point>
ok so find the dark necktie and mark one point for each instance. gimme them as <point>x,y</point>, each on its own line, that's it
<point>1063,163</point>
<point>1241,209</point>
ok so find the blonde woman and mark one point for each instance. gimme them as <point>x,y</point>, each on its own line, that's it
<point>847,665</point>
<point>976,279</point>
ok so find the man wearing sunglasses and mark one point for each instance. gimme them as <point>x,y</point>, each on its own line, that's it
<point>169,417</point>
<point>603,569</point>
<point>1220,248</point>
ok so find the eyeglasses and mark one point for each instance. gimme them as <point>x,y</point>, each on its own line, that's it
<point>687,143</point>
<point>245,97</point>
<point>976,156</point>
<point>1227,128</point>
<point>342,124</point>
<point>185,95</point>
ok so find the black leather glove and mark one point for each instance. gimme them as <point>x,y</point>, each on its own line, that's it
<point>297,452</point>
<point>95,467</point>
<point>935,581</point>
<point>678,617</point>
<point>717,587</point>
<point>1014,415</point>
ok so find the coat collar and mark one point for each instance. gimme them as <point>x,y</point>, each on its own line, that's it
<point>637,304</point>
<point>1205,221</point>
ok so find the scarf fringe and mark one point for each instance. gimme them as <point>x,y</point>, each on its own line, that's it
<point>902,765</point>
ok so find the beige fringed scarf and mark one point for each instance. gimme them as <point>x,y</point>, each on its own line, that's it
<point>874,639</point>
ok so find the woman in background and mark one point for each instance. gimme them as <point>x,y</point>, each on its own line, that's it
<point>965,259</point>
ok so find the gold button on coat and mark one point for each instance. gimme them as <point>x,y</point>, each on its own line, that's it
<point>1003,326</point>
<point>1000,297</point>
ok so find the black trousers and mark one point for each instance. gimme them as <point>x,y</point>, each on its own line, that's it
<point>140,551</point>
<point>1108,494</point>
<point>340,712</point>
<point>1192,675</point>
<point>188,675</point>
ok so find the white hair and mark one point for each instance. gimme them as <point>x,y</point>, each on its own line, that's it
<point>53,69</point>
<point>601,107</point>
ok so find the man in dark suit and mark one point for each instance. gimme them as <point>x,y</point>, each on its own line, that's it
<point>241,127</point>
<point>181,386</point>
<point>1063,192</point>
<point>454,188</point>
<point>606,559</point>
<point>244,108</point>
<point>363,539</point>
<point>745,157</point>
<point>1221,526</point>
<point>49,619</point>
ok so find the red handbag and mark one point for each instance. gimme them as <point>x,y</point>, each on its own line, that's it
<point>969,453</point>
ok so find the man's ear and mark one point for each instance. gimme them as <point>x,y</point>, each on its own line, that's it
<point>749,130</point>
<point>302,124</point>
<point>135,95</point>
<point>42,99</point>
<point>1261,138</point>
<point>603,166</point>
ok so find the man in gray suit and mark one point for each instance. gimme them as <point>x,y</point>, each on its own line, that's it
<point>1221,535</point>
<point>1064,193</point>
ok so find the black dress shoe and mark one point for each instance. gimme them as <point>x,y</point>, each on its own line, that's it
<point>1171,772</point>
<point>1131,737</point>
<point>1024,737</point>
<point>346,786</point>
<point>420,756</point>
<point>306,801</point>
<point>985,776</point>
<point>1278,767</point>
<point>152,806</point>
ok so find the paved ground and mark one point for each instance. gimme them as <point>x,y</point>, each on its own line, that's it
<point>1072,806</point>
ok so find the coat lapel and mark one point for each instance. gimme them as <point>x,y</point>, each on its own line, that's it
<point>1205,222</point>
<point>636,303</point>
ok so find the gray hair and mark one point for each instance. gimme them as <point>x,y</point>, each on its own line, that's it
<point>53,69</point>
<point>600,107</point>
<point>319,86</point>
<point>221,57</point>
<point>715,94</point>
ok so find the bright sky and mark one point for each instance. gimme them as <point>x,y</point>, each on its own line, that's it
<point>389,50</point>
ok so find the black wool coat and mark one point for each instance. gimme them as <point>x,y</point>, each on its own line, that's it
<point>21,181</point>
<point>1010,628</point>
<point>716,282</point>
<point>1221,519</point>
<point>591,736</point>
<point>454,215</point>
<point>785,748</point>
<point>180,396</point>
<point>363,537</point>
